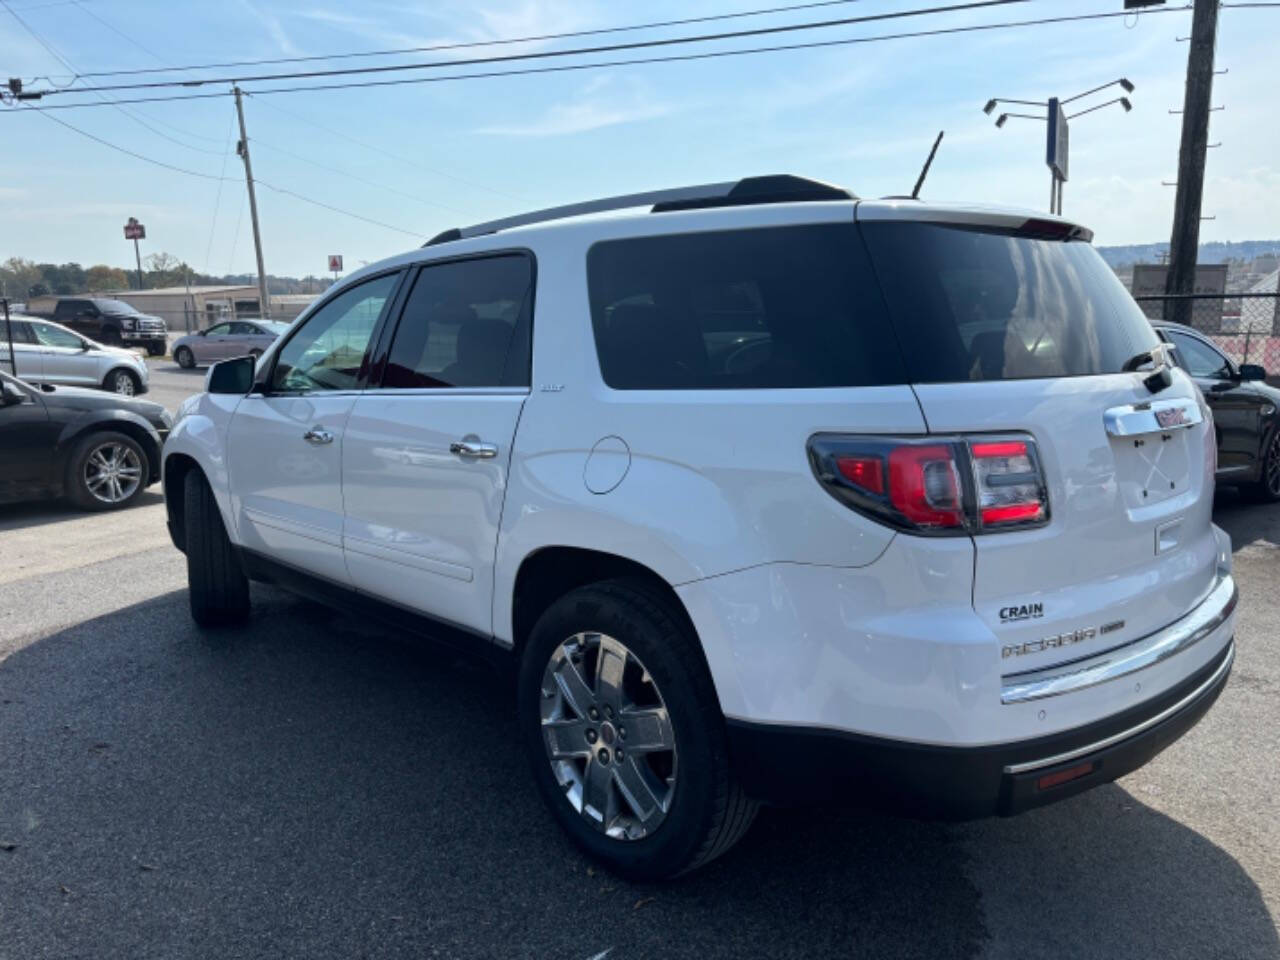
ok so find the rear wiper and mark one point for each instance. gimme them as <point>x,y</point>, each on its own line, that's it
<point>1160,377</point>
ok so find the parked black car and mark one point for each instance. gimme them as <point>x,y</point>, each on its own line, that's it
<point>112,322</point>
<point>1245,410</point>
<point>97,449</point>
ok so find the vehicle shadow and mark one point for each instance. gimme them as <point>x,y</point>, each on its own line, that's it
<point>1247,521</point>
<point>313,786</point>
<point>35,513</point>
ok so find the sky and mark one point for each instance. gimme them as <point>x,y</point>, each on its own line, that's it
<point>420,158</point>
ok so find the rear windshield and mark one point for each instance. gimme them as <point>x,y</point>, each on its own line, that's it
<point>114,306</point>
<point>775,307</point>
<point>971,304</point>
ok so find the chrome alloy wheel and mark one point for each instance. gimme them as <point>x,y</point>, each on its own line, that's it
<point>124,385</point>
<point>608,736</point>
<point>112,472</point>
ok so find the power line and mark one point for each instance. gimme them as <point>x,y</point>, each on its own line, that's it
<point>545,54</point>
<point>66,63</point>
<point>681,58</point>
<point>656,24</point>
<point>381,150</point>
<point>351,176</point>
<point>209,176</point>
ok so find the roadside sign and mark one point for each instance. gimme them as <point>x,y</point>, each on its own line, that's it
<point>1056,147</point>
<point>335,262</point>
<point>133,230</point>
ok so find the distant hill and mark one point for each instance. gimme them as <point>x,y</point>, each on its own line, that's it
<point>1209,252</point>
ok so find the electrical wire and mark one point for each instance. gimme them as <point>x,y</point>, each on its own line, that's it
<point>656,24</point>
<point>333,131</point>
<point>66,63</point>
<point>682,58</point>
<point>258,141</point>
<point>546,54</point>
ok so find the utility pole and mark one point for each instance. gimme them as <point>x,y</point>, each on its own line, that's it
<point>1184,245</point>
<point>243,149</point>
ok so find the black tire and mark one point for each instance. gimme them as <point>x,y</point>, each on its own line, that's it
<point>708,811</point>
<point>122,381</point>
<point>217,587</point>
<point>110,336</point>
<point>184,358</point>
<point>1267,487</point>
<point>77,483</point>
<point>156,348</point>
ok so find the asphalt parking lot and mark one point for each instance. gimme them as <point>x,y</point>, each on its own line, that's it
<point>311,786</point>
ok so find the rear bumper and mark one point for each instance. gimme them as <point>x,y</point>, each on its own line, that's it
<point>797,765</point>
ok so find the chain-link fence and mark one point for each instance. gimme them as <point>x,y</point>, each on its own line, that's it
<point>1245,326</point>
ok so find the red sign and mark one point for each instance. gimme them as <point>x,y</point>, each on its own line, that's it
<point>133,230</point>
<point>335,262</point>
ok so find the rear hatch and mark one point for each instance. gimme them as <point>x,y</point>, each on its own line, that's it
<point>1016,332</point>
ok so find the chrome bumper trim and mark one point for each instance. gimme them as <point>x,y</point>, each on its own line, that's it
<point>1147,724</point>
<point>1211,614</point>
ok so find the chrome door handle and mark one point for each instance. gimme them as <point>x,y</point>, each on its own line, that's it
<point>474,448</point>
<point>318,434</point>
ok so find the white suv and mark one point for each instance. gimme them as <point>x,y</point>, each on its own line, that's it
<point>769,493</point>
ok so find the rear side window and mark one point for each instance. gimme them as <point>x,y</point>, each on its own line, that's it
<point>465,323</point>
<point>972,304</point>
<point>774,307</point>
<point>21,332</point>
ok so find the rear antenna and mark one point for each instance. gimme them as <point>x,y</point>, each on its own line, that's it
<point>915,194</point>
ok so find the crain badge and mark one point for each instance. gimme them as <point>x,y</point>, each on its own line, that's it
<point>1025,611</point>
<point>1048,643</point>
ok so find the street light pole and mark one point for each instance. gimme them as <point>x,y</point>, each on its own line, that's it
<point>243,150</point>
<point>1056,147</point>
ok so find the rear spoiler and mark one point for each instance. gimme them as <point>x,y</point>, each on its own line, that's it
<point>1018,222</point>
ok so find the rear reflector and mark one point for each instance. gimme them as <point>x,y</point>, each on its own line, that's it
<point>1051,780</point>
<point>864,472</point>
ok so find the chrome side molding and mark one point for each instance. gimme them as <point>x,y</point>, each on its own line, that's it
<point>1211,614</point>
<point>1152,416</point>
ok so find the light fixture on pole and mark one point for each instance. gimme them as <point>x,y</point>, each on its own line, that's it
<point>1056,139</point>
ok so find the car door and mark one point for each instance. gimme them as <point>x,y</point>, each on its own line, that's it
<point>214,345</point>
<point>64,358</point>
<point>26,352</point>
<point>426,452</point>
<point>285,442</point>
<point>1237,408</point>
<point>28,438</point>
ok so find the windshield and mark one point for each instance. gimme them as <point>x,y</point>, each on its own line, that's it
<point>114,306</point>
<point>972,304</point>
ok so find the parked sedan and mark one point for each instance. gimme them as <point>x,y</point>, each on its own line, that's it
<point>1246,410</point>
<point>98,450</point>
<point>47,352</point>
<point>222,341</point>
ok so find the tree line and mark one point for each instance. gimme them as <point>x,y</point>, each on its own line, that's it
<point>21,279</point>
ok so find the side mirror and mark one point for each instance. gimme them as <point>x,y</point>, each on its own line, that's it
<point>203,333</point>
<point>11,395</point>
<point>1252,371</point>
<point>231,376</point>
<point>84,345</point>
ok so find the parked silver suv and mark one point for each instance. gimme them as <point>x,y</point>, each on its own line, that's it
<point>767,493</point>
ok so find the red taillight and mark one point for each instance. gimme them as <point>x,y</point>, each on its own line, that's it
<point>1010,488</point>
<point>944,486</point>
<point>924,485</point>
<point>864,472</point>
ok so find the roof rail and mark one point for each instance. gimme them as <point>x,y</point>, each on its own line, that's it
<point>779,188</point>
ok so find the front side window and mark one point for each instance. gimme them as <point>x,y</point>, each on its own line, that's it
<point>465,323</point>
<point>56,336</point>
<point>784,307</point>
<point>975,304</point>
<point>1200,359</point>
<point>328,351</point>
<point>218,330</point>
